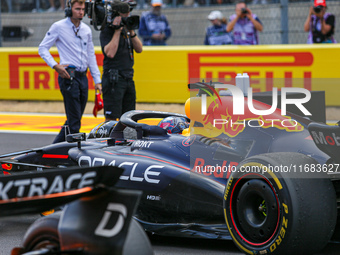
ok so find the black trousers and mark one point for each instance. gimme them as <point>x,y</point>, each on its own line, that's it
<point>75,94</point>
<point>119,97</point>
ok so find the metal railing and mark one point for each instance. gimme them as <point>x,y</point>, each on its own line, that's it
<point>28,5</point>
<point>282,23</point>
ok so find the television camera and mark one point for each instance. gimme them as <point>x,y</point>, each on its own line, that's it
<point>102,13</point>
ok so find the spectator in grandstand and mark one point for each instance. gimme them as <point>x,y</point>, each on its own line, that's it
<point>217,34</point>
<point>154,27</point>
<point>73,39</point>
<point>320,24</point>
<point>53,7</point>
<point>244,25</point>
<point>259,1</point>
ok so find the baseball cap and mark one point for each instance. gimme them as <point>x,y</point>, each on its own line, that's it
<point>215,15</point>
<point>320,2</point>
<point>98,104</point>
<point>156,2</point>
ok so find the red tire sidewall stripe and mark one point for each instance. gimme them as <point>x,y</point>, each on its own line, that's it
<point>232,218</point>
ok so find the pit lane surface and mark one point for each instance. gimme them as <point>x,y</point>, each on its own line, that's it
<point>12,229</point>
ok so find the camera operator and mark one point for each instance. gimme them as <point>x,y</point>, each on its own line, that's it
<point>244,25</point>
<point>118,45</point>
<point>320,24</point>
<point>73,39</point>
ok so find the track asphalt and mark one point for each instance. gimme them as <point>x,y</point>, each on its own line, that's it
<point>45,123</point>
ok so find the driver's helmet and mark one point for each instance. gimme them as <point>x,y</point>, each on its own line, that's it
<point>174,125</point>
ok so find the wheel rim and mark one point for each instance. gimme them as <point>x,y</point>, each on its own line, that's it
<point>51,245</point>
<point>254,209</point>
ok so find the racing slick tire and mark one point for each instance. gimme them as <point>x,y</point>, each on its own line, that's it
<point>43,234</point>
<point>269,210</point>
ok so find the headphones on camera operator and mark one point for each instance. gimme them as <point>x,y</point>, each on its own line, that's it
<point>68,9</point>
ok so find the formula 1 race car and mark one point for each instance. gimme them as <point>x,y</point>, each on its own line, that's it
<point>264,182</point>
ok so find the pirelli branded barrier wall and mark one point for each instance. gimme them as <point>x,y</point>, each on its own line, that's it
<point>162,73</point>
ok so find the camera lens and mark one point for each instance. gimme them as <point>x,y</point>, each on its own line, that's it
<point>317,9</point>
<point>244,11</point>
<point>131,22</point>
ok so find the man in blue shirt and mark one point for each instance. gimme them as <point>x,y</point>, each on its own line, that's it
<point>75,47</point>
<point>154,27</point>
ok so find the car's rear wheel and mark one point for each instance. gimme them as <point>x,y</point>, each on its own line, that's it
<point>274,204</point>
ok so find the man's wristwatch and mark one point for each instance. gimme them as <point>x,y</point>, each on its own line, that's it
<point>133,36</point>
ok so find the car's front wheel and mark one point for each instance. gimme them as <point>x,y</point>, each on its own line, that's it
<point>275,204</point>
<point>43,234</point>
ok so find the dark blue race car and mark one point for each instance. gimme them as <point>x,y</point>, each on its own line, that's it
<point>264,183</point>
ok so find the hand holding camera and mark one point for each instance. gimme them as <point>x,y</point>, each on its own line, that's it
<point>318,10</point>
<point>116,23</point>
<point>243,12</point>
<point>311,10</point>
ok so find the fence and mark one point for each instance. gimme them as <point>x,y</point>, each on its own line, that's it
<point>41,5</point>
<point>188,24</point>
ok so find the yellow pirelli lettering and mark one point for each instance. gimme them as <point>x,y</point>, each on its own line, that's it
<point>232,236</point>
<point>285,207</point>
<point>228,188</point>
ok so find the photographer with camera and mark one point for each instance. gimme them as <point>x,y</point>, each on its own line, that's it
<point>320,24</point>
<point>119,41</point>
<point>244,25</point>
<point>73,39</point>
